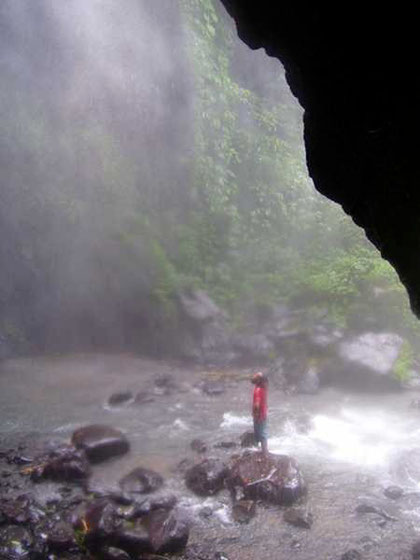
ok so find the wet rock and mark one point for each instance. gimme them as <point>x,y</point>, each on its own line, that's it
<point>100,442</point>
<point>393,492</point>
<point>147,506</point>
<point>213,388</point>
<point>168,531</point>
<point>248,439</point>
<point>244,510</point>
<point>207,477</point>
<point>64,464</point>
<point>299,517</point>
<point>198,445</point>
<point>226,445</point>
<point>112,553</point>
<point>366,362</point>
<point>133,538</point>
<point>15,543</point>
<point>275,478</point>
<point>21,510</point>
<point>351,554</point>
<point>100,523</point>
<point>141,481</point>
<point>205,512</point>
<point>57,535</point>
<point>143,397</point>
<point>405,468</point>
<point>120,398</point>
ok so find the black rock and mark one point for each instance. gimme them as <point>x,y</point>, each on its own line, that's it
<point>100,442</point>
<point>112,553</point>
<point>65,464</point>
<point>133,538</point>
<point>198,445</point>
<point>100,523</point>
<point>275,478</point>
<point>168,531</point>
<point>248,439</point>
<point>207,477</point>
<point>141,481</point>
<point>21,510</point>
<point>120,398</point>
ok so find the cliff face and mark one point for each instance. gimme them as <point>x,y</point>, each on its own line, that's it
<point>354,72</point>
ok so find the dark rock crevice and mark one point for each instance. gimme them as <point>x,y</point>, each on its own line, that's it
<point>354,73</point>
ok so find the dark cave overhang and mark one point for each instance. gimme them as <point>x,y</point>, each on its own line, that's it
<point>354,70</point>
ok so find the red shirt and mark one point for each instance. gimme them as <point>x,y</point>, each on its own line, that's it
<point>260,402</point>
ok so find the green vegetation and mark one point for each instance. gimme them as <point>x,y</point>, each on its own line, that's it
<point>404,363</point>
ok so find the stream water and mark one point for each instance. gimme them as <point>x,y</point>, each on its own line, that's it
<point>350,448</point>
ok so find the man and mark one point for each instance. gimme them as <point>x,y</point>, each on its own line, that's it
<point>259,410</point>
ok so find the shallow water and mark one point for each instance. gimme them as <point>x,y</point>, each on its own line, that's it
<point>350,447</point>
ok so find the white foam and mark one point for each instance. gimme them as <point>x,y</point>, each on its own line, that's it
<point>230,420</point>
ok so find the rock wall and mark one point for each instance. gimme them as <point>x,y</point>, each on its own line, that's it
<point>353,70</point>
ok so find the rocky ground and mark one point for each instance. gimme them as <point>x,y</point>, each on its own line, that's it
<point>94,490</point>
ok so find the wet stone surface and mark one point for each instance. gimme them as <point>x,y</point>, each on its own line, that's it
<point>100,442</point>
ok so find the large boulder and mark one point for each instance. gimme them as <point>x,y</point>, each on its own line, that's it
<point>65,464</point>
<point>366,362</point>
<point>275,479</point>
<point>100,442</point>
<point>168,531</point>
<point>207,477</point>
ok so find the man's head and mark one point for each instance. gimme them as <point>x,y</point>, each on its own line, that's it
<point>258,379</point>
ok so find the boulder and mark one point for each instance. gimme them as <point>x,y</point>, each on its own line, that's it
<point>168,531</point>
<point>207,477</point>
<point>140,509</point>
<point>133,538</point>
<point>141,481</point>
<point>120,398</point>
<point>366,362</point>
<point>100,524</point>
<point>248,439</point>
<point>274,479</point>
<point>15,543</point>
<point>100,442</point>
<point>65,464</point>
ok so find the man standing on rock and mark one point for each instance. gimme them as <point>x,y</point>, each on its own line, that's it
<point>259,410</point>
